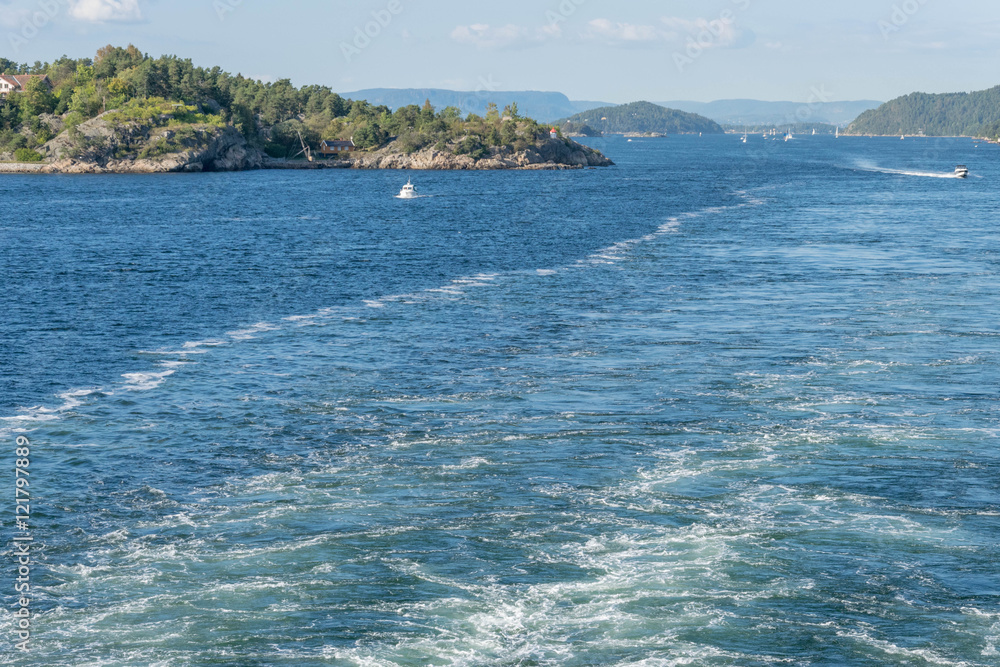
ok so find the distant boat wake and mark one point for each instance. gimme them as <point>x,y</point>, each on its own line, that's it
<point>868,166</point>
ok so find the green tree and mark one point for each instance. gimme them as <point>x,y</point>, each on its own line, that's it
<point>35,100</point>
<point>493,137</point>
<point>492,115</point>
<point>508,133</point>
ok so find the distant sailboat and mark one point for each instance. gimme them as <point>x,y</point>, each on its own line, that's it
<point>789,137</point>
<point>837,134</point>
<point>814,132</point>
<point>745,134</point>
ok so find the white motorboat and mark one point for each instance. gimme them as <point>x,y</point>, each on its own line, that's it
<point>961,171</point>
<point>408,191</point>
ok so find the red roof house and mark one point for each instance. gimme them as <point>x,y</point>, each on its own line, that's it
<point>15,83</point>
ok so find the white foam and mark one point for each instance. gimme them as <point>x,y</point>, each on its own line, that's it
<point>922,654</point>
<point>251,332</point>
<point>867,165</point>
<point>194,345</point>
<point>174,364</point>
<point>145,381</point>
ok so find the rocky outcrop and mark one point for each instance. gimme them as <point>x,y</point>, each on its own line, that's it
<point>548,154</point>
<point>97,147</point>
<point>21,167</point>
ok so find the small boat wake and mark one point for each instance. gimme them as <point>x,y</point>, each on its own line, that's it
<point>960,172</point>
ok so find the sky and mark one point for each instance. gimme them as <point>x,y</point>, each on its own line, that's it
<point>601,50</point>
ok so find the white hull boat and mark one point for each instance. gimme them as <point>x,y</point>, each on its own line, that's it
<point>408,191</point>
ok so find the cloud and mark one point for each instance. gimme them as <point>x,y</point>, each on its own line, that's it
<point>104,11</point>
<point>718,33</point>
<point>675,32</point>
<point>484,36</point>
<point>621,32</point>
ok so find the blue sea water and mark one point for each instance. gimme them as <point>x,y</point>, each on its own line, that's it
<point>721,404</point>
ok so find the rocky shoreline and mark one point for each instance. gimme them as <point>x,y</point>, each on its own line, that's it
<point>213,148</point>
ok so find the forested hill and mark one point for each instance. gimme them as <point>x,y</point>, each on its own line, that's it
<point>133,93</point>
<point>952,114</point>
<point>643,117</point>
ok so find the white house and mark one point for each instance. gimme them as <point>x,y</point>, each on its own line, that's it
<point>15,83</point>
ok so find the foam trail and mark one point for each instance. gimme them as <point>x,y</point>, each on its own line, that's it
<point>865,165</point>
<point>455,288</point>
<point>145,381</point>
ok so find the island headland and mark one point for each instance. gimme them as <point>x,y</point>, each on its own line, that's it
<point>126,112</point>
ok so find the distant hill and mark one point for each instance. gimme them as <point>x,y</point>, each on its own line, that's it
<point>642,117</point>
<point>950,114</point>
<point>756,112</point>
<point>544,106</point>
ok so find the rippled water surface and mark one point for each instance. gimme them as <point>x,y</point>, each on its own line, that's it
<point>718,405</point>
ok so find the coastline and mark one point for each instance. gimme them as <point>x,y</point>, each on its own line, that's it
<point>553,155</point>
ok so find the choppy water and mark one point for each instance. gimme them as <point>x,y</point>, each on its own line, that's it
<point>719,405</point>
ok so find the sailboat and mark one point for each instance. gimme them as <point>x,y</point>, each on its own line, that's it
<point>744,134</point>
<point>814,132</point>
<point>789,137</point>
<point>837,134</point>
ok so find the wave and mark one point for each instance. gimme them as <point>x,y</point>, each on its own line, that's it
<point>865,165</point>
<point>172,360</point>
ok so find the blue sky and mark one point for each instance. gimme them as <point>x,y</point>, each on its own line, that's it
<point>614,51</point>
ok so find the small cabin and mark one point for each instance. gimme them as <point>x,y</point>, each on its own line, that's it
<point>554,134</point>
<point>336,148</point>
